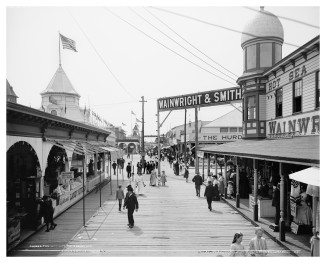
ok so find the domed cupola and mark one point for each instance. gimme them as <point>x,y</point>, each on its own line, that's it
<point>261,41</point>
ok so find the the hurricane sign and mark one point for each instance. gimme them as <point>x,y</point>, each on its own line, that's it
<point>203,99</point>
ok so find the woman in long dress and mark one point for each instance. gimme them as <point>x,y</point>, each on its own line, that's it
<point>221,184</point>
<point>153,178</point>
<point>237,249</point>
<point>163,178</point>
<point>139,184</point>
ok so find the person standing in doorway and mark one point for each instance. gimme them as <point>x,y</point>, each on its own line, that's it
<point>114,166</point>
<point>119,196</point>
<point>47,212</point>
<point>276,203</point>
<point>131,203</point>
<point>258,245</point>
<point>209,193</point>
<point>198,180</point>
<point>128,169</point>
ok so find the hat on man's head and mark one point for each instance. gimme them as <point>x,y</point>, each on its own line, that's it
<point>129,188</point>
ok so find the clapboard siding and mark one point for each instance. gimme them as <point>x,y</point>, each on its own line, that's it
<point>262,107</point>
<point>309,93</point>
<point>287,99</point>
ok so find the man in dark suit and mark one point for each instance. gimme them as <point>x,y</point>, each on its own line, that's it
<point>114,166</point>
<point>198,182</point>
<point>209,193</point>
<point>128,169</point>
<point>131,203</point>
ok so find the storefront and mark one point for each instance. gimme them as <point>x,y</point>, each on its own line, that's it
<point>281,127</point>
<point>49,155</point>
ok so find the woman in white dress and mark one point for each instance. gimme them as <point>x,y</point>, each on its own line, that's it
<point>139,184</point>
<point>237,249</point>
<point>153,178</point>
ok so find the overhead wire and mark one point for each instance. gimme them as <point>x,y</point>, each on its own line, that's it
<point>114,14</point>
<point>190,43</point>
<point>180,44</point>
<point>284,18</point>
<point>215,25</point>
<point>99,55</point>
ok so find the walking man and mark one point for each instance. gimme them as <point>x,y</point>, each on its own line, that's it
<point>47,212</point>
<point>209,193</point>
<point>128,169</point>
<point>114,166</point>
<point>131,203</point>
<point>119,196</point>
<point>198,182</point>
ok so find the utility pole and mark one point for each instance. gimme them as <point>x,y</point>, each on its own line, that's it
<point>196,142</point>
<point>143,133</point>
<point>185,141</point>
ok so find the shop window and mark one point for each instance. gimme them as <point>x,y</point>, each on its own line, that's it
<point>53,112</point>
<point>251,108</point>
<point>317,90</point>
<point>297,96</point>
<point>233,129</point>
<point>251,57</point>
<point>266,55</point>
<point>240,129</point>
<point>224,130</point>
<point>279,102</point>
<point>278,52</point>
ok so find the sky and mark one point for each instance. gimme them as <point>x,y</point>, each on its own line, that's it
<point>118,62</point>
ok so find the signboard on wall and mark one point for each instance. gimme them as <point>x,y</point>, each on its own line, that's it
<point>202,99</point>
<point>213,137</point>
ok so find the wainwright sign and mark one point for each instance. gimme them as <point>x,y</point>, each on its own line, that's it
<point>202,99</point>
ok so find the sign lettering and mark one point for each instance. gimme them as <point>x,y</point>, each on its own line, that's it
<point>203,99</point>
<point>306,124</point>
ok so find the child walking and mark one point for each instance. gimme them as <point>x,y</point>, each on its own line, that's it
<point>119,196</point>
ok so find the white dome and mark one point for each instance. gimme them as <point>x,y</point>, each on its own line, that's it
<point>264,24</point>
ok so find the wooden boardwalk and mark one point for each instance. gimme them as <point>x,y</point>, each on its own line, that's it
<point>171,221</point>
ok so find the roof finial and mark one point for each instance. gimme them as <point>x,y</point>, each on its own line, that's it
<point>261,8</point>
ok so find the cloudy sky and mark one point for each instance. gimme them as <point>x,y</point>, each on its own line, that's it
<point>146,50</point>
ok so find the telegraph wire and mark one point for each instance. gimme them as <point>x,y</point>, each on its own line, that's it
<point>166,46</point>
<point>180,44</point>
<point>212,24</point>
<point>99,55</point>
<point>285,18</point>
<point>190,43</point>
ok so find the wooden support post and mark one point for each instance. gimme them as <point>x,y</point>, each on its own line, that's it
<point>203,175</point>
<point>255,208</point>
<point>208,164</point>
<point>225,179</point>
<point>237,182</point>
<point>282,200</point>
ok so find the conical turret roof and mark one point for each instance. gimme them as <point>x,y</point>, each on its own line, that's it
<point>60,84</point>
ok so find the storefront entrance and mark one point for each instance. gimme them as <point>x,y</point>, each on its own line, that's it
<point>23,189</point>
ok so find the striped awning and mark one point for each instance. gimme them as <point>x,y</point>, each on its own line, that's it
<point>82,147</point>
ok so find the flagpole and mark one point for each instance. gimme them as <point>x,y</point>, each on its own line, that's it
<point>59,50</point>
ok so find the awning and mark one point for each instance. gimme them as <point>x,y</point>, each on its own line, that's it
<point>81,147</point>
<point>302,150</point>
<point>308,176</point>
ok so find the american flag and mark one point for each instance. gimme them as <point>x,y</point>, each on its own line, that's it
<point>68,43</point>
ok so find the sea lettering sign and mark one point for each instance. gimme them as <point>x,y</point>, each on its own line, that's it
<point>202,99</point>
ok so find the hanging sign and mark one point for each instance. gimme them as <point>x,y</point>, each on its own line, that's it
<point>202,99</point>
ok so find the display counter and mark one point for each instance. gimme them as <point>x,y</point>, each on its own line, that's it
<point>265,208</point>
<point>93,181</point>
<point>67,199</point>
